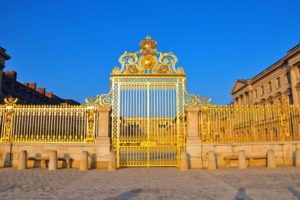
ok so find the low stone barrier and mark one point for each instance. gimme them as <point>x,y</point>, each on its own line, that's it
<point>212,162</point>
<point>112,166</point>
<point>84,162</point>
<point>297,158</point>
<point>242,160</point>
<point>271,159</point>
<point>184,161</point>
<point>22,164</point>
<point>52,160</point>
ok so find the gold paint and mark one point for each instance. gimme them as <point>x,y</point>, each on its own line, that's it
<point>91,114</point>
<point>249,123</point>
<point>148,61</point>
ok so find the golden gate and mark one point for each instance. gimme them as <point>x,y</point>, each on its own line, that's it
<point>147,101</point>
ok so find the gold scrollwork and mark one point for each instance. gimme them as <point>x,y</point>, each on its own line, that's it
<point>129,63</point>
<point>10,104</point>
<point>103,100</point>
<point>148,61</point>
<point>192,100</point>
<point>284,119</point>
<point>91,115</point>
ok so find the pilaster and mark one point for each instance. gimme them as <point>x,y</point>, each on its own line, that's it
<point>193,143</point>
<point>103,138</point>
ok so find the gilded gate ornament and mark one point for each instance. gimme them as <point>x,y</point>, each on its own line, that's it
<point>10,104</point>
<point>91,116</point>
<point>148,60</point>
<point>284,119</point>
<point>143,124</point>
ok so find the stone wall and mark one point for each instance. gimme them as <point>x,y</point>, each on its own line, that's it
<point>197,156</point>
<point>98,156</point>
<point>284,152</point>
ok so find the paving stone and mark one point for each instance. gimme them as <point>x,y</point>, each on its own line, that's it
<point>151,183</point>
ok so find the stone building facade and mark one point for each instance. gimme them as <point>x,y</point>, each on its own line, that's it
<point>282,79</point>
<point>27,93</point>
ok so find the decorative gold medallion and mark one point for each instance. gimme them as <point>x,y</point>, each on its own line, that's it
<point>148,62</point>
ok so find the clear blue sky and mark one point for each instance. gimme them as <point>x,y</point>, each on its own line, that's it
<point>70,47</point>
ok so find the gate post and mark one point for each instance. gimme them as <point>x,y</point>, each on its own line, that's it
<point>103,138</point>
<point>193,143</point>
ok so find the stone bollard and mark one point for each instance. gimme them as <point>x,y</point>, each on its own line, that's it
<point>242,160</point>
<point>271,160</point>
<point>22,163</point>
<point>52,160</point>
<point>297,158</point>
<point>84,163</point>
<point>112,161</point>
<point>184,161</point>
<point>212,163</point>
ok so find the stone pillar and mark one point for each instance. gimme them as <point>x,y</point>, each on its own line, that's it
<point>193,143</point>
<point>212,162</point>
<point>103,138</point>
<point>242,160</point>
<point>52,160</point>
<point>297,162</point>
<point>271,159</point>
<point>184,161</point>
<point>112,165</point>
<point>84,163</point>
<point>22,162</point>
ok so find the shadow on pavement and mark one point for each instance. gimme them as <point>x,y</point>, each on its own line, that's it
<point>294,192</point>
<point>241,195</point>
<point>126,195</point>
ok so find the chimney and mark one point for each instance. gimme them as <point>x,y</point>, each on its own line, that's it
<point>3,57</point>
<point>41,90</point>
<point>49,95</point>
<point>31,85</point>
<point>11,74</point>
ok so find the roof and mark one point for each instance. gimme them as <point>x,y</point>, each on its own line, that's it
<point>293,51</point>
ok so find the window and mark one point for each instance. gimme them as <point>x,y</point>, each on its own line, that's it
<point>262,90</point>
<point>255,93</point>
<point>270,86</point>
<point>288,78</point>
<point>278,82</point>
<point>291,99</point>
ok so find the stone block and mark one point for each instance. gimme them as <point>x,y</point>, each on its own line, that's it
<point>84,161</point>
<point>297,158</point>
<point>212,162</point>
<point>271,159</point>
<point>52,160</point>
<point>184,165</point>
<point>112,165</point>
<point>22,162</point>
<point>242,160</point>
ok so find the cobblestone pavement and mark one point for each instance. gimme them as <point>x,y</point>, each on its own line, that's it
<point>150,183</point>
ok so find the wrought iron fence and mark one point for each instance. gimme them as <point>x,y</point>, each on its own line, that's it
<point>79,124</point>
<point>48,123</point>
<point>249,123</point>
